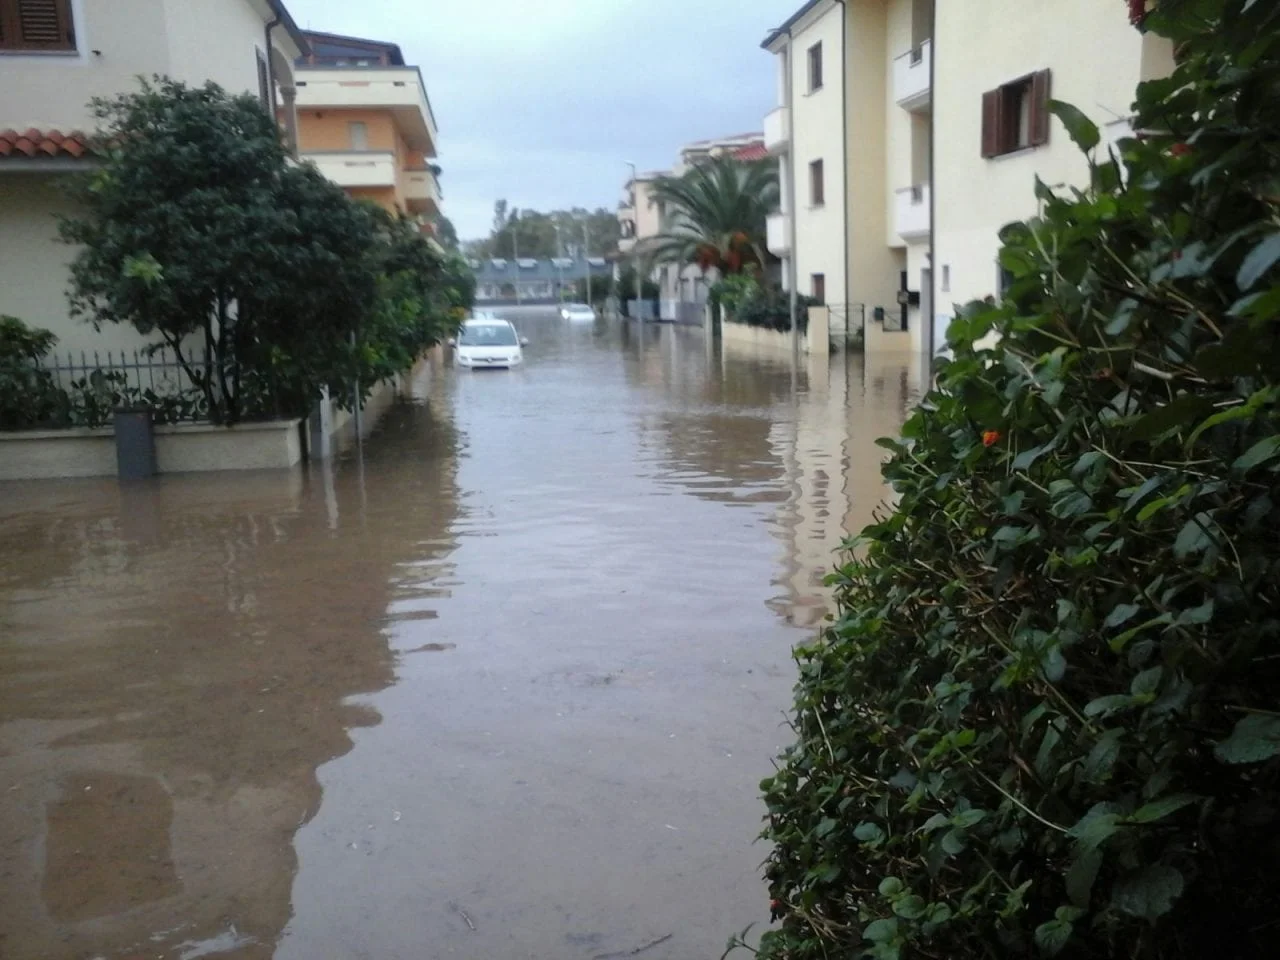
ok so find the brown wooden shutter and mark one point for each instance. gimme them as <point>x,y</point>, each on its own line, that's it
<point>36,25</point>
<point>1040,93</point>
<point>991,123</point>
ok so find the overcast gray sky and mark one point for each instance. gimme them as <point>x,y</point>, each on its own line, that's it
<point>543,101</point>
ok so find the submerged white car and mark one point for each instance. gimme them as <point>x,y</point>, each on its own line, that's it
<point>577,311</point>
<point>488,343</point>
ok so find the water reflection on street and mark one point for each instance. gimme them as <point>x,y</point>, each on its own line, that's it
<point>503,687</point>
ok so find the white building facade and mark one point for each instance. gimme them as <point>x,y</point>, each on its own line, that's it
<point>806,132</point>
<point>82,49</point>
<point>992,128</point>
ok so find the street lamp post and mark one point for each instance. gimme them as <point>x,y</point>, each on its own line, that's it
<point>635,228</point>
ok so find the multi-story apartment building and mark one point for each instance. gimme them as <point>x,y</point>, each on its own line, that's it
<point>852,133</point>
<point>364,119</point>
<point>993,132</point>
<point>55,55</point>
<point>940,147</point>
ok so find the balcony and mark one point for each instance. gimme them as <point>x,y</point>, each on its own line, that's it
<point>777,131</point>
<point>911,215</point>
<point>778,234</point>
<point>356,168</point>
<point>398,90</point>
<point>911,77</point>
<point>421,192</point>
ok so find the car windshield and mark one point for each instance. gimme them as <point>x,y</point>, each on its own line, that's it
<point>487,335</point>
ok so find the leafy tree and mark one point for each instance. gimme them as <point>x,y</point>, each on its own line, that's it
<point>446,233</point>
<point>715,215</point>
<point>256,272</point>
<point>531,233</point>
<point>1044,720</point>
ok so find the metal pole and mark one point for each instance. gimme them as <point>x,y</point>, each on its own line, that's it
<point>515,248</point>
<point>586,256</point>
<point>792,172</point>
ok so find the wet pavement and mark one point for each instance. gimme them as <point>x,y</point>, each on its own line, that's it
<point>501,687</point>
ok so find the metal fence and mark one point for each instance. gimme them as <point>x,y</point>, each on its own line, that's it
<point>157,370</point>
<point>847,322</point>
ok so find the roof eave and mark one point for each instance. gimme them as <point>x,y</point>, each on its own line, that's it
<point>281,13</point>
<point>785,29</point>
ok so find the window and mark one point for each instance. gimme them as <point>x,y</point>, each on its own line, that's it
<point>815,67</point>
<point>1016,115</point>
<point>37,25</point>
<point>817,189</point>
<point>358,132</point>
<point>264,80</point>
<point>818,287</point>
<point>946,278</point>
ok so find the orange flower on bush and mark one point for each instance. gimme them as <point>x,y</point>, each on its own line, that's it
<point>990,438</point>
<point>1179,150</point>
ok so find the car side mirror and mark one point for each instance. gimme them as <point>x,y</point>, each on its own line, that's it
<point>524,341</point>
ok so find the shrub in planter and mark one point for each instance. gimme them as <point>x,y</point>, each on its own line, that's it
<point>1046,719</point>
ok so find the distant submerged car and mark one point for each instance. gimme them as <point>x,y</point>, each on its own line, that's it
<point>486,342</point>
<point>577,311</point>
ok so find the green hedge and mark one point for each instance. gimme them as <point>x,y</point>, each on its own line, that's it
<point>1047,716</point>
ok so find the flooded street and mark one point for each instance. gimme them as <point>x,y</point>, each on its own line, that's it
<point>502,687</point>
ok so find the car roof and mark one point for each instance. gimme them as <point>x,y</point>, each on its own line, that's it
<point>487,322</point>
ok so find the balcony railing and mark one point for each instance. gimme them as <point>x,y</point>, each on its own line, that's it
<point>356,168</point>
<point>422,193</point>
<point>778,234</point>
<point>777,130</point>
<point>911,77</point>
<point>911,212</point>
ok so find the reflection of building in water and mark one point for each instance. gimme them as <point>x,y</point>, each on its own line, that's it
<point>833,467</point>
<point>747,428</point>
<point>176,662</point>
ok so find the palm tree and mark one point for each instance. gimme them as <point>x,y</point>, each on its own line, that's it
<point>716,215</point>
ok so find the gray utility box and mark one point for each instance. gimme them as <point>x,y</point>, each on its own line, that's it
<point>135,443</point>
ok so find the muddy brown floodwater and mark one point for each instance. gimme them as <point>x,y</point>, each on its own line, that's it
<point>504,687</point>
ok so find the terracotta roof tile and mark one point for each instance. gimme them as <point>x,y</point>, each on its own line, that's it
<point>49,143</point>
<point>754,151</point>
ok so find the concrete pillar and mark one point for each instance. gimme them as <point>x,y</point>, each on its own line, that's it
<point>819,335</point>
<point>290,96</point>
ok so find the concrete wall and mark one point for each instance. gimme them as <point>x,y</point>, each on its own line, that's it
<point>741,335</point>
<point>186,448</point>
<point>33,265</point>
<point>818,134</point>
<point>220,40</point>
<point>52,90</point>
<point>1097,59</point>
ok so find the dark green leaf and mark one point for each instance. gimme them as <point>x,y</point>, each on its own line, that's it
<point>890,887</point>
<point>1258,261</point>
<point>1159,809</point>
<point>880,930</point>
<point>1121,613</point>
<point>1052,937</point>
<point>1082,130</point>
<point>910,907</point>
<point>1194,536</point>
<point>1081,875</point>
<point>1148,893</point>
<point>1256,737</point>
<point>1260,453</point>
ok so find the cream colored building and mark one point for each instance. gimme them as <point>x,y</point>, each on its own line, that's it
<point>365,121</point>
<point>852,128</point>
<point>642,217</point>
<point>993,132</point>
<point>80,49</point>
